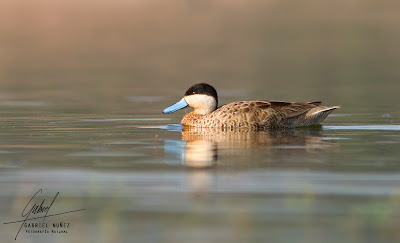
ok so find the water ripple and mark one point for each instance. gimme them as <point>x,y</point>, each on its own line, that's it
<point>249,182</point>
<point>365,127</point>
<point>127,119</point>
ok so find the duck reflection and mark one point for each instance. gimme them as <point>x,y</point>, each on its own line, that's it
<point>196,153</point>
<point>200,147</point>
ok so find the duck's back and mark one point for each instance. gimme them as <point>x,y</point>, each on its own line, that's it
<point>261,115</point>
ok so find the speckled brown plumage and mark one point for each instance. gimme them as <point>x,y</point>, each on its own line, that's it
<point>259,115</point>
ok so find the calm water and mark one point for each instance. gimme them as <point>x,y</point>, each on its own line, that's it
<point>83,86</point>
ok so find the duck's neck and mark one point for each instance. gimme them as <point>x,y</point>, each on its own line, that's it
<point>191,119</point>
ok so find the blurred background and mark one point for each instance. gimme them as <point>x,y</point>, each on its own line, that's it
<point>346,52</point>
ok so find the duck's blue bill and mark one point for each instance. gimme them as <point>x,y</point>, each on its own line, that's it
<point>177,106</point>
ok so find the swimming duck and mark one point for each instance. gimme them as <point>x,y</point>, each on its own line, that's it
<point>256,115</point>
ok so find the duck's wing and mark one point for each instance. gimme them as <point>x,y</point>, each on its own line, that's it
<point>303,114</point>
<point>274,113</point>
<point>293,109</point>
<point>289,109</point>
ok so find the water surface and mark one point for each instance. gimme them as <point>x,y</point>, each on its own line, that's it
<point>141,176</point>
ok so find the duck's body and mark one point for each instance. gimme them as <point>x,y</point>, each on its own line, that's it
<point>247,114</point>
<point>261,115</point>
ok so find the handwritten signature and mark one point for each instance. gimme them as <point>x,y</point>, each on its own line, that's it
<point>38,209</point>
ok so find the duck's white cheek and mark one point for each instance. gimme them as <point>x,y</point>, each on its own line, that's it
<point>202,104</point>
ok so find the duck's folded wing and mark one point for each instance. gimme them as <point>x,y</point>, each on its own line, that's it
<point>287,109</point>
<point>293,109</point>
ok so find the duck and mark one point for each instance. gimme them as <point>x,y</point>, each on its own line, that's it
<point>254,115</point>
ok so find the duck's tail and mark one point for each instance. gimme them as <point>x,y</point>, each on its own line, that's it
<point>313,117</point>
<point>317,115</point>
